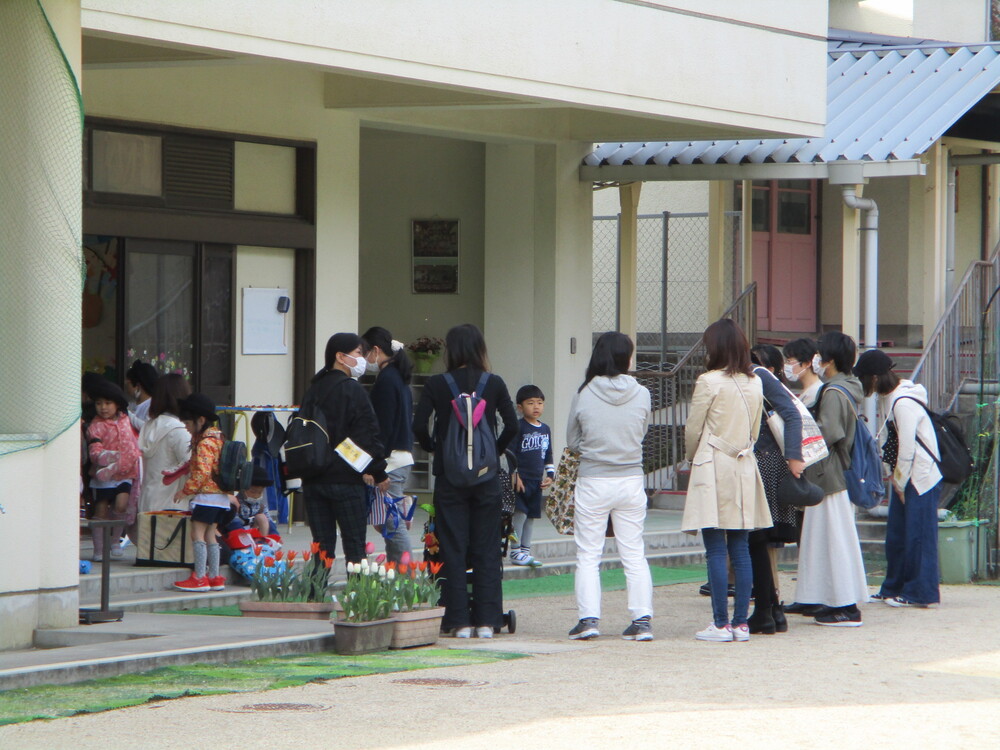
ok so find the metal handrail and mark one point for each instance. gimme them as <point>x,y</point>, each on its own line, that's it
<point>951,356</point>
<point>671,393</point>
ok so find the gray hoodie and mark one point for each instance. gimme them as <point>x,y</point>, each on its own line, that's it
<point>607,421</point>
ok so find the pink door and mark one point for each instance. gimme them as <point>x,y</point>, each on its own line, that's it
<point>784,254</point>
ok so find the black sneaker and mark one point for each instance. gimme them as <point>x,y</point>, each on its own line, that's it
<point>879,597</point>
<point>585,629</point>
<point>809,610</point>
<point>841,617</point>
<point>706,590</point>
<point>639,630</point>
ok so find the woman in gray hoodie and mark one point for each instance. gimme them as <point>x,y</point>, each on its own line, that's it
<point>607,422</point>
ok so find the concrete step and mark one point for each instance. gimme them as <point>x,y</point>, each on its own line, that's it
<point>170,600</point>
<point>129,580</point>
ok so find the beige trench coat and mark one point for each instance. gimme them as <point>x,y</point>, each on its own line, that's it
<point>725,491</point>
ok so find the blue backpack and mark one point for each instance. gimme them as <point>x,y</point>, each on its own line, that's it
<point>469,448</point>
<point>865,485</point>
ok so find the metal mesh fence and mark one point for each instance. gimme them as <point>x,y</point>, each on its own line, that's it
<point>41,268</point>
<point>605,304</point>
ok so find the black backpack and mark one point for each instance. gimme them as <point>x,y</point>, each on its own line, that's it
<point>469,448</point>
<point>308,452</point>
<point>954,460</point>
<point>235,472</point>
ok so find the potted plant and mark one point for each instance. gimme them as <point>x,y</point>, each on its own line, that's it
<point>364,623</point>
<point>282,589</point>
<point>416,590</point>
<point>424,352</point>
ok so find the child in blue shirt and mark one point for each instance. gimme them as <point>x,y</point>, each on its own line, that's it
<point>533,451</point>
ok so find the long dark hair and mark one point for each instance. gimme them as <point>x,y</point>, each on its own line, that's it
<point>727,348</point>
<point>612,356</point>
<point>380,337</point>
<point>769,357</point>
<point>465,347</point>
<point>167,393</point>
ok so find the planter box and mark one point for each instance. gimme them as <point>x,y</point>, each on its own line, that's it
<point>420,627</point>
<point>352,638</point>
<point>957,550</point>
<point>288,610</point>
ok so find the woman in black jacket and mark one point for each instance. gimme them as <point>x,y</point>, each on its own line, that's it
<point>467,519</point>
<point>337,496</point>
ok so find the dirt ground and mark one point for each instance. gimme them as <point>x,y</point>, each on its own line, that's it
<point>907,678</point>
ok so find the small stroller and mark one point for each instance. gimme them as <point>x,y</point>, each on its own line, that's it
<point>432,552</point>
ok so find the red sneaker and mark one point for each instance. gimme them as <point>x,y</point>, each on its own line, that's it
<point>193,584</point>
<point>217,583</point>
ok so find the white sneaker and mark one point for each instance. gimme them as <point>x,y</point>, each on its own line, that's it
<point>485,632</point>
<point>117,553</point>
<point>519,558</point>
<point>712,633</point>
<point>741,632</point>
<point>465,632</point>
<point>97,557</point>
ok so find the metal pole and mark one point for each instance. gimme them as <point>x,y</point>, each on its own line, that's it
<point>663,290</point>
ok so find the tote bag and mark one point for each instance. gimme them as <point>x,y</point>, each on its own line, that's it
<point>813,445</point>
<point>560,503</point>
<point>164,540</point>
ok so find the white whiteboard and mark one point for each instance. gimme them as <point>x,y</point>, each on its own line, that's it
<point>263,325</point>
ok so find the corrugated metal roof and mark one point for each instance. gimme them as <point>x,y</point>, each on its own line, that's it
<point>882,105</point>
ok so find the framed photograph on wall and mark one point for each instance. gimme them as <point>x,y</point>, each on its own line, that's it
<point>435,256</point>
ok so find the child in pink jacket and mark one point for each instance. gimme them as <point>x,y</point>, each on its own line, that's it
<point>114,458</point>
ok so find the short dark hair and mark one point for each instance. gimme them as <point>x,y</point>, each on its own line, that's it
<point>380,337</point>
<point>727,348</point>
<point>801,350</point>
<point>528,391</point>
<point>465,347</point>
<point>612,356</point>
<point>167,393</point>
<point>768,356</point>
<point>143,375</point>
<point>881,384</point>
<point>838,348</point>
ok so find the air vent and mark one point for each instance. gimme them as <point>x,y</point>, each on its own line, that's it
<point>198,172</point>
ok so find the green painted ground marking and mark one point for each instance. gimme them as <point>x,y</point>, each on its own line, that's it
<point>56,701</point>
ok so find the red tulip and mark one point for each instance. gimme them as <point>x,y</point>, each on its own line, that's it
<point>391,565</point>
<point>402,568</point>
<point>314,548</point>
<point>279,554</point>
<point>369,548</point>
<point>436,567</point>
<point>380,559</point>
<point>291,555</point>
<point>405,557</point>
<point>328,563</point>
<point>323,556</point>
<point>306,555</point>
<point>269,562</point>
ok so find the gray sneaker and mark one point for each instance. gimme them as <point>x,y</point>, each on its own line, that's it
<point>585,629</point>
<point>639,630</point>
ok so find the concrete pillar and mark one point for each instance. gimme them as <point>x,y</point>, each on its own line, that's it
<point>539,250</point>
<point>338,155</point>
<point>935,238</point>
<point>628,261</point>
<point>720,200</point>
<point>992,207</point>
<point>851,271</point>
<point>746,234</point>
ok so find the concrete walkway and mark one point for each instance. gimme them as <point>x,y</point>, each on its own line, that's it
<point>907,678</point>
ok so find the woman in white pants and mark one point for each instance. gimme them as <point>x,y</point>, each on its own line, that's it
<point>607,422</point>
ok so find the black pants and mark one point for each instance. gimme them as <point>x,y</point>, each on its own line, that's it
<point>764,593</point>
<point>467,521</point>
<point>331,505</point>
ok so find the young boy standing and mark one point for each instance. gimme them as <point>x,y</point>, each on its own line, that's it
<point>535,470</point>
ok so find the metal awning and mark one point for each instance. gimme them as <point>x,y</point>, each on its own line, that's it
<point>885,107</point>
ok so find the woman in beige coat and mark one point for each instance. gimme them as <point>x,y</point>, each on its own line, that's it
<point>725,498</point>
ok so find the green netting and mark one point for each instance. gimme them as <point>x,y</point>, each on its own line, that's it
<point>41,268</point>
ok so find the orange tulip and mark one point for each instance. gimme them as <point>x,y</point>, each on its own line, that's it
<point>291,555</point>
<point>314,548</point>
<point>279,554</point>
<point>306,555</point>
<point>403,569</point>
<point>422,566</point>
<point>268,562</point>
<point>323,556</point>
<point>328,563</point>
<point>391,565</point>
<point>436,567</point>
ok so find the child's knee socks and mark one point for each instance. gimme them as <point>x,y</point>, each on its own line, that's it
<point>200,558</point>
<point>213,560</point>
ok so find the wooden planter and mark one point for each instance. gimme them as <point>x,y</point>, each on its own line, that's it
<point>420,627</point>
<point>288,610</point>
<point>352,638</point>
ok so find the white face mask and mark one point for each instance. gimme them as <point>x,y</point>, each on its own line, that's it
<point>817,365</point>
<point>372,367</point>
<point>790,375</point>
<point>359,367</point>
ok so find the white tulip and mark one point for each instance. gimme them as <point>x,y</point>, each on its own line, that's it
<point>390,574</point>
<point>351,567</point>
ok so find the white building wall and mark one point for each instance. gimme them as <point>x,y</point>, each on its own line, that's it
<point>951,21</point>
<point>406,177</point>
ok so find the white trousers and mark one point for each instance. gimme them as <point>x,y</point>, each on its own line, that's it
<point>624,500</point>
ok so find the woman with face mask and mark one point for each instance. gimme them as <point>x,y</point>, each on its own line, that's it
<point>393,403</point>
<point>799,363</point>
<point>831,578</point>
<point>140,379</point>
<point>337,496</point>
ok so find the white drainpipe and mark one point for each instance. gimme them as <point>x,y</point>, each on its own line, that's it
<point>869,226</point>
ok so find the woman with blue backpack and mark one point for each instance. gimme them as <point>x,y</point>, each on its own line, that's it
<point>465,402</point>
<point>831,577</point>
<point>911,532</point>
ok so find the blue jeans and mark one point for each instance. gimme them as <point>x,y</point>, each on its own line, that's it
<point>719,543</point>
<point>911,554</point>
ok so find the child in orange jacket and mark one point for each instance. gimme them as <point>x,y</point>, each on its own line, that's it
<point>209,504</point>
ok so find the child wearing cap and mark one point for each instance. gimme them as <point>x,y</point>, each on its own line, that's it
<point>114,461</point>
<point>209,504</point>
